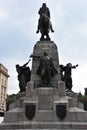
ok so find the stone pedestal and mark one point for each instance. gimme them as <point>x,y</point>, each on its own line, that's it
<point>45,107</point>
<point>51,48</point>
<point>45,100</point>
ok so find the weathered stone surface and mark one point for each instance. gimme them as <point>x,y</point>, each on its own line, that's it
<point>72,102</point>
<point>14,115</point>
<point>45,126</point>
<point>45,102</point>
<point>45,115</point>
<point>61,88</point>
<point>45,91</point>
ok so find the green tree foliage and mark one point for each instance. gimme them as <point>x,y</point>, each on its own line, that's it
<point>83,99</point>
<point>11,98</point>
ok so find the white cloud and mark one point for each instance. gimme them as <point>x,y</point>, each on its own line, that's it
<point>80,78</point>
<point>3,15</point>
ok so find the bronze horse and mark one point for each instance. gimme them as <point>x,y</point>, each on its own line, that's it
<point>44,27</point>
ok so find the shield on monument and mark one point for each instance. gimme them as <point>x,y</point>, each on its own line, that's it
<point>30,111</point>
<point>61,111</point>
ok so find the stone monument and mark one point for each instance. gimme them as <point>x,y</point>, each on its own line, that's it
<point>45,106</point>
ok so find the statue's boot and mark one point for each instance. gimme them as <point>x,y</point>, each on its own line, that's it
<point>38,29</point>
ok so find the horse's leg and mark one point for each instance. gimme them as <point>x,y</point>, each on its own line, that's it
<point>48,38</point>
<point>42,37</point>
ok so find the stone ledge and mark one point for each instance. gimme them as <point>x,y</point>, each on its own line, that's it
<point>44,125</point>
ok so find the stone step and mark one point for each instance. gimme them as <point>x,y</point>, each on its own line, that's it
<point>44,129</point>
<point>44,125</point>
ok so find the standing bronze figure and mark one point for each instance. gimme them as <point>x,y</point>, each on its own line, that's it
<point>46,69</point>
<point>66,76</point>
<point>24,74</point>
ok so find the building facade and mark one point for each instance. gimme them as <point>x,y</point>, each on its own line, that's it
<point>3,87</point>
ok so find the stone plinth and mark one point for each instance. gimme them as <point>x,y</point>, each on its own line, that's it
<point>51,48</point>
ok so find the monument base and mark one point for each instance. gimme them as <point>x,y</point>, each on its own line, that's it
<point>45,115</point>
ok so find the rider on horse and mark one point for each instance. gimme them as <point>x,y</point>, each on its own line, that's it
<point>44,10</point>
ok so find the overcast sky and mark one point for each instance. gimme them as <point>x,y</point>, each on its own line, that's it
<point>18,24</point>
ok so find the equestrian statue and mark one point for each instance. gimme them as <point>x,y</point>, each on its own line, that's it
<point>44,23</point>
